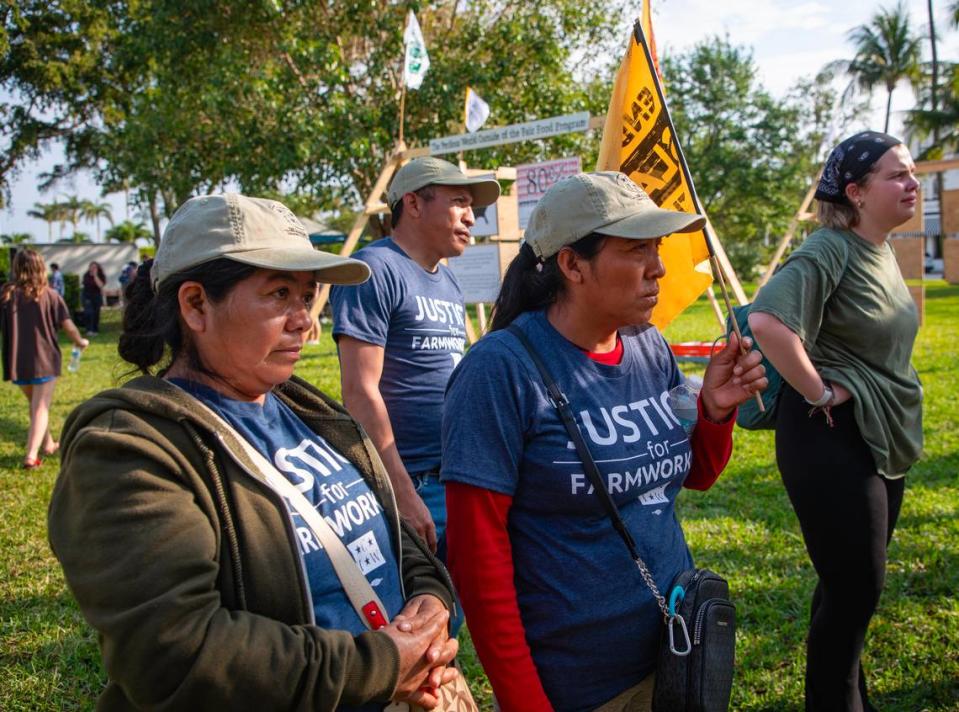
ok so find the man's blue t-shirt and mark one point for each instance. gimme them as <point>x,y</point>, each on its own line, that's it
<point>418,317</point>
<point>592,625</point>
<point>338,491</point>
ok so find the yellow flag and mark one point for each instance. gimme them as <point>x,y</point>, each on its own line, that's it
<point>640,141</point>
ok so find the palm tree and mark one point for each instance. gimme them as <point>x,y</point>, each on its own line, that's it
<point>71,210</point>
<point>887,51</point>
<point>48,213</point>
<point>16,238</point>
<point>128,231</point>
<point>940,123</point>
<point>92,212</point>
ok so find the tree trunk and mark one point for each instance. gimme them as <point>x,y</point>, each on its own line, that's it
<point>155,218</point>
<point>888,110</point>
<point>934,96</point>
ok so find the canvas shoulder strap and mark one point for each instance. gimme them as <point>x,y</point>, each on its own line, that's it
<point>362,597</point>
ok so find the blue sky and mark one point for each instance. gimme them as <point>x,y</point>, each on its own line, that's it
<point>789,40</point>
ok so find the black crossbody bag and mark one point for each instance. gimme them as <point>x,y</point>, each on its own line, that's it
<point>697,650</point>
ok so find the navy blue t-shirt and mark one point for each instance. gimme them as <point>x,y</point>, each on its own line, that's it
<point>338,491</point>
<point>418,317</point>
<point>592,625</point>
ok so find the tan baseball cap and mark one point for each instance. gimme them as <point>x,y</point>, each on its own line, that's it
<point>422,172</point>
<point>254,231</point>
<point>607,202</point>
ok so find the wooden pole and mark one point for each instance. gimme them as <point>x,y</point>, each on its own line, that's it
<point>790,233</point>
<point>732,319</point>
<point>723,260</point>
<point>402,111</point>
<point>355,232</point>
<point>716,308</point>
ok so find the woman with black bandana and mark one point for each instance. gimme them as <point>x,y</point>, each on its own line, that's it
<point>839,324</point>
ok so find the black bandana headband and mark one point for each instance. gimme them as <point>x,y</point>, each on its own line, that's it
<point>850,161</point>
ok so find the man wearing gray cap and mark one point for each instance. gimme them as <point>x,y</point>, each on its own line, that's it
<point>400,334</point>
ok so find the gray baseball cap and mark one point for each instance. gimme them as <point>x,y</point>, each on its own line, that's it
<point>422,172</point>
<point>254,231</point>
<point>607,202</point>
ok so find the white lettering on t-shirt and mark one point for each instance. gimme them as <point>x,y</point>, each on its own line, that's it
<point>439,310</point>
<point>618,423</point>
<point>644,475</point>
<point>354,513</point>
<point>284,457</point>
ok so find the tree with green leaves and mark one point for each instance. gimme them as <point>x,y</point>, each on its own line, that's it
<point>71,208</point>
<point>93,212</point>
<point>887,51</point>
<point>49,213</point>
<point>939,125</point>
<point>274,93</point>
<point>128,232</point>
<point>16,238</point>
<point>752,157</point>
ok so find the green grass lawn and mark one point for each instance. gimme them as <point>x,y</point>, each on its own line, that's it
<point>743,528</point>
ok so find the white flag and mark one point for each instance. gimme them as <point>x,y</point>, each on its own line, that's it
<point>417,60</point>
<point>477,111</point>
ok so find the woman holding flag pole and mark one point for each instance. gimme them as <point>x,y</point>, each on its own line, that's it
<point>558,612</point>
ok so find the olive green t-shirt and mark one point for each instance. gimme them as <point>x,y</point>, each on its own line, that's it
<point>847,301</point>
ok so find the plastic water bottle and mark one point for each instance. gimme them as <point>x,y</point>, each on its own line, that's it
<point>682,400</point>
<point>74,364</point>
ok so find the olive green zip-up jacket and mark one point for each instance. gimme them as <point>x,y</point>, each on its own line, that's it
<point>189,569</point>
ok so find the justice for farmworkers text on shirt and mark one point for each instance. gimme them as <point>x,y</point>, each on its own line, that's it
<point>577,588</point>
<point>419,319</point>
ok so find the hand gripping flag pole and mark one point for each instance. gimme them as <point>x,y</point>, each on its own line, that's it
<point>648,127</point>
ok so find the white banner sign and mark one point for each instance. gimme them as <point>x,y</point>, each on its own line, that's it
<point>477,271</point>
<point>487,218</point>
<point>534,179</point>
<point>544,128</point>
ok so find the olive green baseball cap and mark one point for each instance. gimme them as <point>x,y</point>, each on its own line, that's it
<point>422,172</point>
<point>607,202</point>
<point>254,231</point>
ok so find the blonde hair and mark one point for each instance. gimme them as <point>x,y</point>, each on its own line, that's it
<point>843,216</point>
<point>838,216</point>
<point>29,274</point>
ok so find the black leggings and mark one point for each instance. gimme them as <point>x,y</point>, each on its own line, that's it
<point>847,513</point>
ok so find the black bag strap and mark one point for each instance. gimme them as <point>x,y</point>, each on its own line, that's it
<point>561,403</point>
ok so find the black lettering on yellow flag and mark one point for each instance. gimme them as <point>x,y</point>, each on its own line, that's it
<point>639,140</point>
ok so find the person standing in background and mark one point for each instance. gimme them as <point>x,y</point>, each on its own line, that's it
<point>31,313</point>
<point>126,276</point>
<point>56,279</point>
<point>400,334</point>
<point>92,296</point>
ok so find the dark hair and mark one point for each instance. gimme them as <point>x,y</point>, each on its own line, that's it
<point>54,265</point>
<point>427,193</point>
<point>151,320</point>
<point>526,288</point>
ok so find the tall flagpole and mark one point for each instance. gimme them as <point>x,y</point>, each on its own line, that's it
<point>707,228</point>
<point>402,110</point>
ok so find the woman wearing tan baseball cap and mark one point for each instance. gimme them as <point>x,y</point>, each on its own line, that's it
<point>557,609</point>
<point>225,527</point>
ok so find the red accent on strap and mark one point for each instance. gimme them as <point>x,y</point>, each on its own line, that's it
<point>374,616</point>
